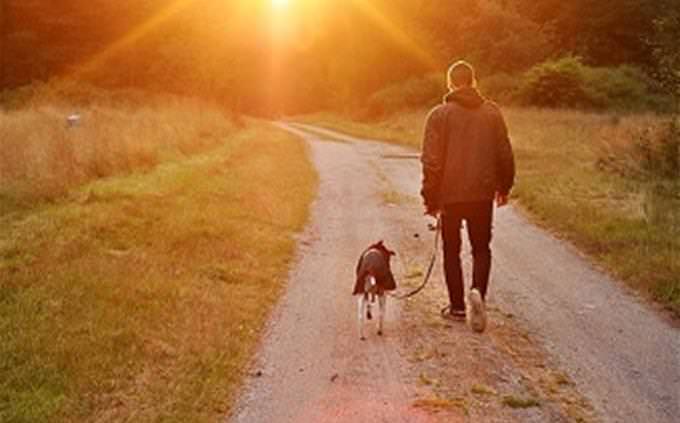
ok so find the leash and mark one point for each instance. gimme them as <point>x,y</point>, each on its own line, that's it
<point>437,232</point>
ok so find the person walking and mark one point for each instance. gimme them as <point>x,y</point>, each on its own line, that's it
<point>467,163</point>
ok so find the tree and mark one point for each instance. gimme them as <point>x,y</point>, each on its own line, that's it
<point>338,52</point>
<point>603,33</point>
<point>666,51</point>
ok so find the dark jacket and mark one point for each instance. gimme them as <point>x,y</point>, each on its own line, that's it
<point>375,260</point>
<point>467,156</point>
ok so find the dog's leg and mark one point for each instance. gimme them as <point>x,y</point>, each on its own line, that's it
<point>382,300</point>
<point>361,305</point>
<point>370,296</point>
<point>369,312</point>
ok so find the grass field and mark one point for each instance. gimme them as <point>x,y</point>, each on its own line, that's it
<point>575,176</point>
<point>140,296</point>
<point>42,156</point>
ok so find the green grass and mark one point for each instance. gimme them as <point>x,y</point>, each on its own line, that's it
<point>624,224</point>
<point>141,297</point>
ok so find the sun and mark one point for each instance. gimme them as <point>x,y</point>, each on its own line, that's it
<point>280,4</point>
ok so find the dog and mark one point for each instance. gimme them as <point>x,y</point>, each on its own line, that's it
<point>374,279</point>
<point>476,311</point>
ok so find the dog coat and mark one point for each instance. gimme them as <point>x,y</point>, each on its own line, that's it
<point>375,260</point>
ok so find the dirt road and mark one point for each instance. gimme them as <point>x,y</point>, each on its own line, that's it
<point>312,367</point>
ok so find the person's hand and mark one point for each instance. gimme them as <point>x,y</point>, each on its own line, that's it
<point>501,199</point>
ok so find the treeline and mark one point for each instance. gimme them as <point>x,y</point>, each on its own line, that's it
<point>333,53</point>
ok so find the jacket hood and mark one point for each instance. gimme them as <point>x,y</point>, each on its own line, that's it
<point>467,97</point>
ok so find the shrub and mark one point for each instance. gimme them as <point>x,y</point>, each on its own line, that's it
<point>411,94</point>
<point>623,87</point>
<point>500,87</point>
<point>559,83</point>
<point>568,82</point>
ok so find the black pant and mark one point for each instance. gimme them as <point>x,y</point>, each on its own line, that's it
<point>478,217</point>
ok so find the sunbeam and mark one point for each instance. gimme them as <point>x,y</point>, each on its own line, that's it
<point>96,61</point>
<point>399,36</point>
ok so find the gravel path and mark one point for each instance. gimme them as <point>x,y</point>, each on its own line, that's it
<point>624,357</point>
<point>314,367</point>
<point>621,355</point>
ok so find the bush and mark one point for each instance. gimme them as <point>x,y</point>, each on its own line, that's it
<point>559,83</point>
<point>500,87</point>
<point>568,82</point>
<point>623,87</point>
<point>411,94</point>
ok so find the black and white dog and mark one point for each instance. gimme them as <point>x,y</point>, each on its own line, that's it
<point>374,279</point>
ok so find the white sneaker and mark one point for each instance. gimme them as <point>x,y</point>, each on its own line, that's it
<point>476,311</point>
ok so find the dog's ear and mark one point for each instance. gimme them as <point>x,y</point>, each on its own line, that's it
<point>378,245</point>
<point>385,249</point>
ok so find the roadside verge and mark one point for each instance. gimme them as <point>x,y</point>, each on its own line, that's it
<point>142,297</point>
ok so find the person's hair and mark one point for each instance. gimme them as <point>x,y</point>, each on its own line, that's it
<point>461,74</point>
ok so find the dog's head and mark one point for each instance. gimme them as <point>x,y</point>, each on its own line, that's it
<point>380,246</point>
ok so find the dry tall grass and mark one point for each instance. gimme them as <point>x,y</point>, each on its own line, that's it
<point>585,175</point>
<point>42,155</point>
